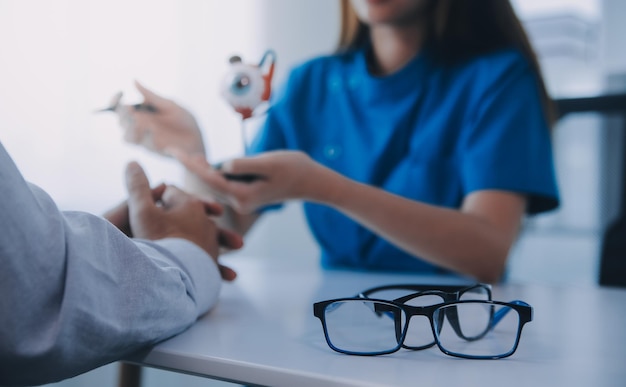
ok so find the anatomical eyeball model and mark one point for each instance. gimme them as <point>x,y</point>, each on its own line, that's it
<point>247,86</point>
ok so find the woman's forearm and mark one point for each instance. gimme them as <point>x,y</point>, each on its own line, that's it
<point>469,241</point>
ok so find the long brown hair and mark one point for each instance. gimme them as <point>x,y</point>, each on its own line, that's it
<point>458,30</point>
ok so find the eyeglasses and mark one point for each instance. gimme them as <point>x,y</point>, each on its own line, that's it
<point>418,335</point>
<point>475,329</point>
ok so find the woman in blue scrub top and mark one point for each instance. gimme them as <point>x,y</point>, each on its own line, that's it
<point>419,146</point>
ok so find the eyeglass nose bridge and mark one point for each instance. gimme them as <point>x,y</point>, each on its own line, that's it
<point>402,330</point>
<point>450,313</point>
<point>427,312</point>
<point>417,311</point>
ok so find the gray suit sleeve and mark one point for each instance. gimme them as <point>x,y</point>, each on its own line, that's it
<point>75,293</point>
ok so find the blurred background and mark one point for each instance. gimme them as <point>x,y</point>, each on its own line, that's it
<point>61,60</point>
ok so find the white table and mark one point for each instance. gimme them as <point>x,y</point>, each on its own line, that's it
<point>263,332</point>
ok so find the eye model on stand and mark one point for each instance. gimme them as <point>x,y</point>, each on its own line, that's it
<point>248,86</point>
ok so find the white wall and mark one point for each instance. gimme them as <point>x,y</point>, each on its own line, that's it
<point>60,61</point>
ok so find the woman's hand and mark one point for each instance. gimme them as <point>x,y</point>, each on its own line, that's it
<point>278,176</point>
<point>160,123</point>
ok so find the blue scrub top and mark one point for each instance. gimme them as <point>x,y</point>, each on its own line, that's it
<point>428,132</point>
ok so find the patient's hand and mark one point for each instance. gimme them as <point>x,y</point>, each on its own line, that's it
<point>168,212</point>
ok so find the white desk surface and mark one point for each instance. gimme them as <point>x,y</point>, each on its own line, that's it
<point>263,332</point>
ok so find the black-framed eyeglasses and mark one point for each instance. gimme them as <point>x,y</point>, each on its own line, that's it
<point>475,329</point>
<point>419,335</point>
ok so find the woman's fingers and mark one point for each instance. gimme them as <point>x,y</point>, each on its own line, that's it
<point>150,97</point>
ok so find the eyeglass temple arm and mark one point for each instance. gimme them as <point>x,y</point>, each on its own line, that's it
<point>392,312</point>
<point>499,315</point>
<point>425,288</point>
<point>453,319</point>
<point>372,307</point>
<point>422,288</point>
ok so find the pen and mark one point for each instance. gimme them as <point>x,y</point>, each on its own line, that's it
<point>115,103</point>
<point>244,178</point>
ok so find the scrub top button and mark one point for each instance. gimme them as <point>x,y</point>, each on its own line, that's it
<point>335,84</point>
<point>353,82</point>
<point>332,152</point>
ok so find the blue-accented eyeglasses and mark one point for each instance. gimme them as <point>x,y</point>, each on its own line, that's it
<point>468,328</point>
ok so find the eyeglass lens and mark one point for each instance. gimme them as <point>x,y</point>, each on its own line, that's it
<point>364,327</point>
<point>478,333</point>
